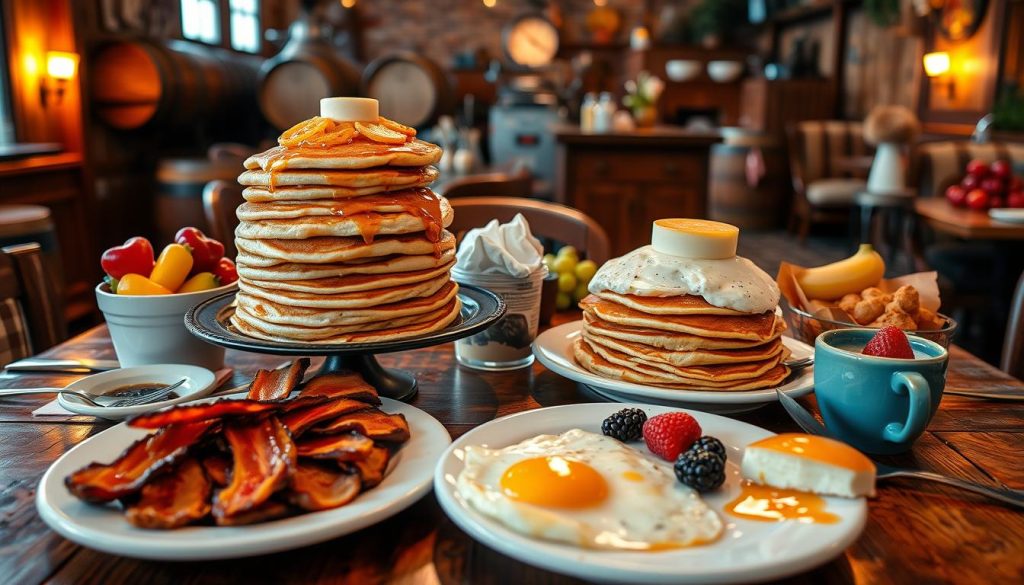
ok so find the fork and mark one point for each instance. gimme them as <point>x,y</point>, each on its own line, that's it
<point>134,398</point>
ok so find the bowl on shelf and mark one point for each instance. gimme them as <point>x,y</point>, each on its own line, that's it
<point>150,329</point>
<point>725,71</point>
<point>807,327</point>
<point>682,69</point>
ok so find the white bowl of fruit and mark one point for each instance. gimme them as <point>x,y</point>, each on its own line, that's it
<point>144,300</point>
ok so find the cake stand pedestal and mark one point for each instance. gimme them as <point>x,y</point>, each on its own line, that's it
<point>210,321</point>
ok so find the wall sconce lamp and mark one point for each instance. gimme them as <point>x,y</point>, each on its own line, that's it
<point>60,68</point>
<point>936,67</point>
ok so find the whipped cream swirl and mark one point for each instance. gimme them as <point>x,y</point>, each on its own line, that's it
<point>733,283</point>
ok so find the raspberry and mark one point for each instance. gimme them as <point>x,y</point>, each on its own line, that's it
<point>667,435</point>
<point>889,342</point>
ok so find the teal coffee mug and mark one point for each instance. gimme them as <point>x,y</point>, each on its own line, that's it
<point>878,405</point>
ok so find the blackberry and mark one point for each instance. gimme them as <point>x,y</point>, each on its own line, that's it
<point>709,443</point>
<point>701,470</point>
<point>625,425</point>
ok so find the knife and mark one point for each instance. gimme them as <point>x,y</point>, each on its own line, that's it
<point>61,365</point>
<point>806,421</point>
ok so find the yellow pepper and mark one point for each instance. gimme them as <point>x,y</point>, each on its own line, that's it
<point>201,281</point>
<point>136,284</point>
<point>172,267</point>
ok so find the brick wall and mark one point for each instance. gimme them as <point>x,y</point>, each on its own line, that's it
<point>441,28</point>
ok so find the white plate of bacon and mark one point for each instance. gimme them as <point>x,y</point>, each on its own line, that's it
<point>288,465</point>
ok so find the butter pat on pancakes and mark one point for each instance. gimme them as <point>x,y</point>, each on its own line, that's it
<point>699,239</point>
<point>809,463</point>
<point>587,490</point>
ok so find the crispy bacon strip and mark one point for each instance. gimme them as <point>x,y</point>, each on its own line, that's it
<point>264,457</point>
<point>299,420</point>
<point>343,447</point>
<point>316,486</point>
<point>174,499</point>
<point>269,510</point>
<point>192,413</point>
<point>277,384</point>
<point>105,482</point>
<point>341,385</point>
<point>300,402</point>
<point>217,468</point>
<point>371,469</point>
<point>371,423</point>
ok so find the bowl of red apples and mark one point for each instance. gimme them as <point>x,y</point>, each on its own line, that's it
<point>987,186</point>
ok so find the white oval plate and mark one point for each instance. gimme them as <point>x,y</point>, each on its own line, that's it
<point>104,528</point>
<point>747,551</point>
<point>554,349</point>
<point>1007,214</point>
<point>198,383</point>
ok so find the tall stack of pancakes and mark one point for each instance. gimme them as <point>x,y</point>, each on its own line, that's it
<point>340,238</point>
<point>680,342</point>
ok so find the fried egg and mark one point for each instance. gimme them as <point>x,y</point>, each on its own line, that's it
<point>587,490</point>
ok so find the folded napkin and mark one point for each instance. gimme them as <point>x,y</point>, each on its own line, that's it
<point>501,249</point>
<point>53,408</point>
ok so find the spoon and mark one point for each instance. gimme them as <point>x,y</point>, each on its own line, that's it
<point>800,363</point>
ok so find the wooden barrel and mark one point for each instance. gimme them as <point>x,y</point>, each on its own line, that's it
<point>151,83</point>
<point>731,198</point>
<point>411,89</point>
<point>294,81</point>
<point>179,193</point>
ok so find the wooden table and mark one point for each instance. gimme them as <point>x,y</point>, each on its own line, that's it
<point>965,223</point>
<point>916,533</point>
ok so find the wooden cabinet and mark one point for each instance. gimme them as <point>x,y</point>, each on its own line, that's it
<point>770,105</point>
<point>626,181</point>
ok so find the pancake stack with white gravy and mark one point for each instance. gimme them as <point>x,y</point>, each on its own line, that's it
<point>684,312</point>
<point>340,239</point>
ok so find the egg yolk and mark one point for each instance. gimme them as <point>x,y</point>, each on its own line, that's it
<point>554,482</point>
<point>821,449</point>
<point>768,504</point>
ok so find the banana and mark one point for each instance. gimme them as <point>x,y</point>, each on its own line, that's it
<point>851,275</point>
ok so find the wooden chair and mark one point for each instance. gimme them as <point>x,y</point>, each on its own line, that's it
<point>220,200</point>
<point>31,307</point>
<point>549,220</point>
<point>518,184</point>
<point>824,188</point>
<point>1012,361</point>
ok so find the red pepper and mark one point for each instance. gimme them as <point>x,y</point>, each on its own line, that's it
<point>134,257</point>
<point>205,251</point>
<point>225,271</point>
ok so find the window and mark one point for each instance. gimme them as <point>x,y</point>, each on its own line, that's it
<point>6,115</point>
<point>245,25</point>
<point>200,21</point>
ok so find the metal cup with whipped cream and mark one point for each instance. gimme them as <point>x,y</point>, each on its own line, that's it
<point>507,259</point>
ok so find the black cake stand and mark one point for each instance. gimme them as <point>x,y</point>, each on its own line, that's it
<point>210,321</point>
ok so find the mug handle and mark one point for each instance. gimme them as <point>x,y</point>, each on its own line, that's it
<point>917,387</point>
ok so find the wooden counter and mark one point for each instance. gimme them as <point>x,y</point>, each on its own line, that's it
<point>627,180</point>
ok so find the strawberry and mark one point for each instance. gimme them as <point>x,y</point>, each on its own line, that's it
<point>667,435</point>
<point>889,342</point>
